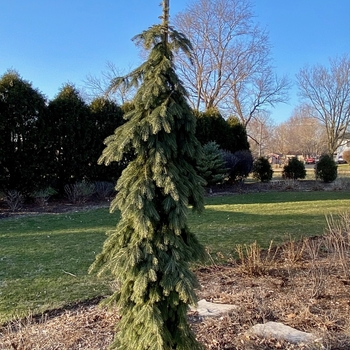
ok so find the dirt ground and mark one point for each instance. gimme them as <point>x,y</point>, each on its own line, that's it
<point>293,285</point>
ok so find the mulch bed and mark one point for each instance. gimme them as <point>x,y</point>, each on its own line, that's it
<point>282,294</point>
<point>304,295</point>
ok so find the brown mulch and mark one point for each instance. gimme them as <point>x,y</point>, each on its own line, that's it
<point>282,294</point>
<point>307,295</point>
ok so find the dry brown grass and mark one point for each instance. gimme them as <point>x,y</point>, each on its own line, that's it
<point>304,284</point>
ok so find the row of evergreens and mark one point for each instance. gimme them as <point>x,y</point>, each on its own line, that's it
<point>58,142</point>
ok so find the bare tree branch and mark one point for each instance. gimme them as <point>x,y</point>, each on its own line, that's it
<point>327,91</point>
<point>301,133</point>
<point>231,67</point>
<point>260,130</point>
<point>100,86</point>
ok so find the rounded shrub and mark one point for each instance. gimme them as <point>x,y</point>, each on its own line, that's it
<point>262,170</point>
<point>238,164</point>
<point>326,169</point>
<point>295,169</point>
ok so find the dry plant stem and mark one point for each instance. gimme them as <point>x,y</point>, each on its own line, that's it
<point>337,241</point>
<point>104,189</point>
<point>79,192</point>
<point>317,272</point>
<point>14,199</point>
<point>292,253</point>
<point>251,259</point>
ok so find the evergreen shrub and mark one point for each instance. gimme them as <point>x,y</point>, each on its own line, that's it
<point>211,165</point>
<point>295,169</point>
<point>42,196</point>
<point>229,134</point>
<point>239,164</point>
<point>326,169</point>
<point>262,170</point>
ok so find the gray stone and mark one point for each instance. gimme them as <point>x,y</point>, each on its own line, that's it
<point>207,309</point>
<point>282,332</point>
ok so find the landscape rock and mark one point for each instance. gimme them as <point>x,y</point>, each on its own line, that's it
<point>282,332</point>
<point>208,309</point>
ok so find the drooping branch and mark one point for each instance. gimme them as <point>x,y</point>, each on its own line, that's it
<point>150,251</point>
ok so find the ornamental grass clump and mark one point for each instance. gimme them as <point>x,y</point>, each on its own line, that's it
<point>150,251</point>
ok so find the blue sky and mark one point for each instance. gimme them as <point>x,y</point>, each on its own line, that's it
<point>52,42</point>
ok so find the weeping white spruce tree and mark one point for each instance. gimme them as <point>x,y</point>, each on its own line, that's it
<point>150,250</point>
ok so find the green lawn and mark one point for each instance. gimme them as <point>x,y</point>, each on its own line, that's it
<point>262,217</point>
<point>44,259</point>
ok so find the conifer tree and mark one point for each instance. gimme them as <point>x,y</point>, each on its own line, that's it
<point>150,250</point>
<point>69,131</point>
<point>21,108</point>
<point>211,166</point>
<point>106,116</point>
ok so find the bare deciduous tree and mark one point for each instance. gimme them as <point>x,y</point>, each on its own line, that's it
<point>307,132</point>
<point>99,86</point>
<point>231,67</point>
<point>327,91</point>
<point>280,141</point>
<point>260,130</point>
<point>301,133</point>
<point>252,96</point>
